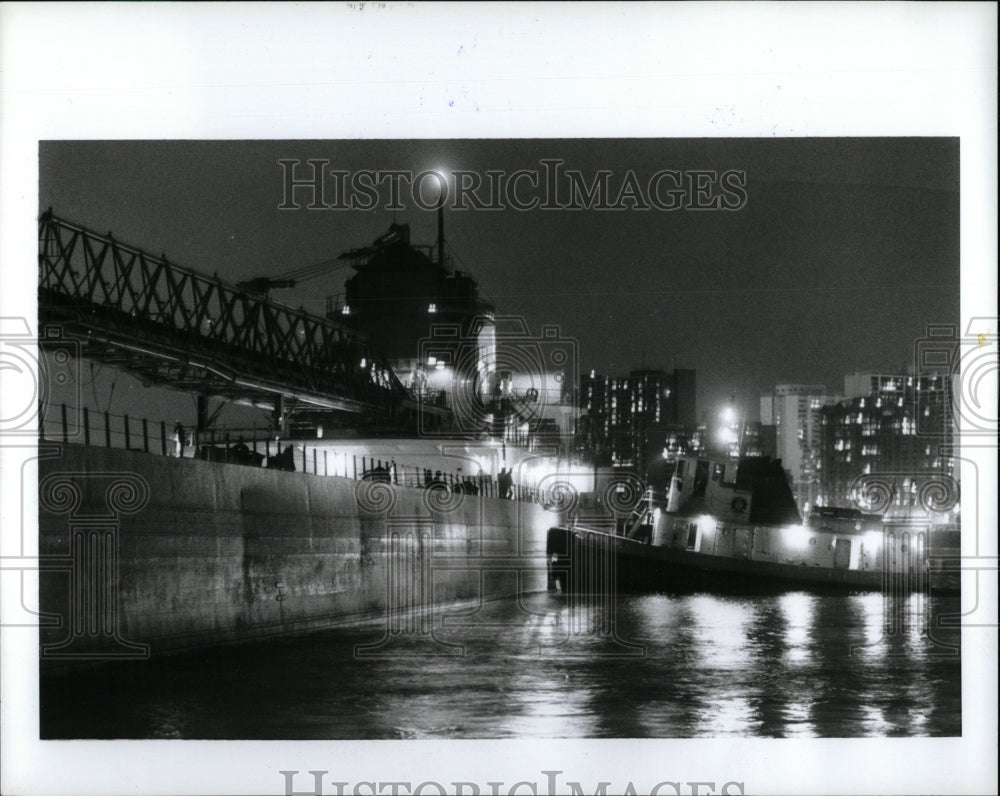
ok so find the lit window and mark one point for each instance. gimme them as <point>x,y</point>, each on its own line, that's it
<point>345,310</point>
<point>432,307</point>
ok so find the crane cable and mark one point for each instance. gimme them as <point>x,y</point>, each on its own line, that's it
<point>311,271</point>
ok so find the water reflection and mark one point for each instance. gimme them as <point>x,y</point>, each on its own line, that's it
<point>695,665</point>
<point>797,612</point>
<point>780,639</point>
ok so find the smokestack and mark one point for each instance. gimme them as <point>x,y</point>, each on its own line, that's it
<point>441,234</point>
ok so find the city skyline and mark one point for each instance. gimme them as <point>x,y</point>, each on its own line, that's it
<point>852,240</point>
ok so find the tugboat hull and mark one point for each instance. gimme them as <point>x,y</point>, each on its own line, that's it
<point>587,560</point>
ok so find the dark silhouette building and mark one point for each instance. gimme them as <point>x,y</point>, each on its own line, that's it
<point>639,416</point>
<point>759,440</point>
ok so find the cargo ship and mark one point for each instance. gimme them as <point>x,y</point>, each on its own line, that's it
<point>733,526</point>
<point>390,421</point>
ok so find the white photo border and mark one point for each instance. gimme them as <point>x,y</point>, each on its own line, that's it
<point>265,71</point>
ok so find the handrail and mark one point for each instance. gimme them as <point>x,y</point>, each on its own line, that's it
<point>68,424</point>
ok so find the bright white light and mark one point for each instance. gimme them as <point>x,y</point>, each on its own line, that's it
<point>796,537</point>
<point>729,415</point>
<point>872,539</point>
<point>432,360</point>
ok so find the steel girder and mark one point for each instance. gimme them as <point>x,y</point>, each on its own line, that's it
<point>172,325</point>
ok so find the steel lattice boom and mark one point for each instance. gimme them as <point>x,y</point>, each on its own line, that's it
<point>172,325</point>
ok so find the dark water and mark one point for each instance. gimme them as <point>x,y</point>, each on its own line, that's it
<point>666,666</point>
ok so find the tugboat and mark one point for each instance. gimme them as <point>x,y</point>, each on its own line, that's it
<point>734,526</point>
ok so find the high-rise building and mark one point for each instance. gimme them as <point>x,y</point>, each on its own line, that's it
<point>759,439</point>
<point>794,411</point>
<point>640,415</point>
<point>895,424</point>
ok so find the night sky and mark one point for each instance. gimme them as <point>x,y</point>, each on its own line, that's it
<point>845,250</point>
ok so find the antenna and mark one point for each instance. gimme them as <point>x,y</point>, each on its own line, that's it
<point>441,234</point>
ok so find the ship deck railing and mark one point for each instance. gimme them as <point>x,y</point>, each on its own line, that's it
<point>258,447</point>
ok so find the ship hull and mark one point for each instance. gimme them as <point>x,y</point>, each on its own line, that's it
<point>582,560</point>
<point>147,555</point>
